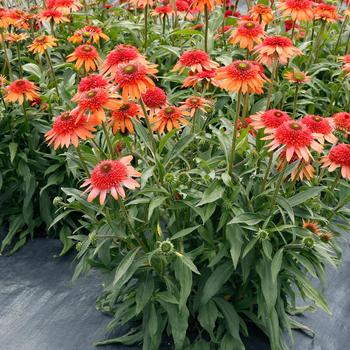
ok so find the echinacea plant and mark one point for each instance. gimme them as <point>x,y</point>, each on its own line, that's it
<point>210,175</point>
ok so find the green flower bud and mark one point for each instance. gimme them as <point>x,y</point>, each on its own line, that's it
<point>326,237</point>
<point>93,238</point>
<point>169,178</point>
<point>308,242</point>
<point>184,178</point>
<point>57,201</point>
<point>263,235</point>
<point>78,246</point>
<point>166,248</point>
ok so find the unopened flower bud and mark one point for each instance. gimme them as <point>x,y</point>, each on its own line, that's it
<point>308,242</point>
<point>78,246</point>
<point>166,248</point>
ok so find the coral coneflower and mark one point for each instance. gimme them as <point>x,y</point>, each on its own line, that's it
<point>339,156</point>
<point>67,6</point>
<point>261,13</point>
<point>346,60</point>
<point>205,78</point>
<point>193,103</point>
<point>162,11</point>
<point>302,170</point>
<point>154,99</point>
<point>53,15</point>
<point>42,43</point>
<point>320,126</point>
<point>85,55</point>
<point>92,81</point>
<point>133,79</point>
<point>18,18</point>
<point>68,128</point>
<point>326,12</point>
<point>15,38</point>
<point>244,76</point>
<point>111,176</point>
<point>121,117</point>
<point>276,47</point>
<point>4,22</point>
<point>19,90</point>
<point>121,54</point>
<point>341,121</point>
<point>201,4</point>
<point>298,10</point>
<point>169,118</point>
<point>88,34</point>
<point>270,119</point>
<point>94,101</point>
<point>295,138</point>
<point>3,80</point>
<point>195,61</point>
<point>247,34</point>
<point>297,77</point>
<point>311,226</point>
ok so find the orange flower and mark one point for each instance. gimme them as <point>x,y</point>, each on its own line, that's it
<point>142,3</point>
<point>53,15</point>
<point>133,79</point>
<point>261,13</point>
<point>196,61</point>
<point>346,12</point>
<point>169,118</point>
<point>247,34</point>
<point>297,77</point>
<point>339,156</point>
<point>15,38</point>
<point>298,10</point>
<point>162,11</point>
<point>346,61</point>
<point>21,89</point>
<point>68,128</point>
<point>88,34</point>
<point>311,226</point>
<point>270,119</point>
<point>4,20</point>
<point>200,4</point>
<point>154,99</point>
<point>17,18</point>
<point>241,76</point>
<point>86,55</point>
<point>326,12</point>
<point>205,77</point>
<point>111,176</point>
<point>121,118</point>
<point>323,127</point>
<point>341,122</point>
<point>278,47</point>
<point>121,54</point>
<point>42,43</point>
<point>94,101</point>
<point>3,80</point>
<point>67,6</point>
<point>193,103</point>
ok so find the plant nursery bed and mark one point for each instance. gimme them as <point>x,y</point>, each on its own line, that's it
<point>42,309</point>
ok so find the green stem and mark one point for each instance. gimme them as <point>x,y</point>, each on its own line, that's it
<point>267,172</point>
<point>26,119</point>
<point>194,121</point>
<point>293,30</point>
<point>108,139</point>
<point>340,34</point>
<point>6,57</point>
<point>146,25</point>
<point>82,161</point>
<point>335,182</point>
<point>149,127</point>
<point>19,61</point>
<point>295,102</point>
<point>235,131</point>
<point>49,62</point>
<point>164,23</point>
<point>347,44</point>
<point>223,23</point>
<point>319,40</point>
<point>245,105</point>
<point>273,78</point>
<point>206,16</point>
<point>277,188</point>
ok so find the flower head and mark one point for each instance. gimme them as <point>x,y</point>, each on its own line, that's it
<point>121,117</point>
<point>298,10</point>
<point>162,11</point>
<point>85,55</point>
<point>247,34</point>
<point>120,55</point>
<point>270,119</point>
<point>297,77</point>
<point>261,13</point>
<point>88,34</point>
<point>52,15</point>
<point>169,118</point>
<point>279,47</point>
<point>205,77</point>
<point>201,4</point>
<point>346,61</point>
<point>321,126</point>
<point>196,61</point>
<point>295,138</point>
<point>341,121</point>
<point>21,89</point>
<point>66,6</point>
<point>339,156</point>
<point>68,128</point>
<point>41,43</point>
<point>244,76</point>
<point>16,38</point>
<point>326,12</point>
<point>311,226</point>
<point>154,99</point>
<point>133,79</point>
<point>92,81</point>
<point>111,176</point>
<point>193,103</point>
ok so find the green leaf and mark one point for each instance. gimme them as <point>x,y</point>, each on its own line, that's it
<point>234,235</point>
<point>212,193</point>
<point>130,338</point>
<point>32,69</point>
<point>13,150</point>
<point>178,148</point>
<point>249,219</point>
<point>216,280</point>
<point>184,232</point>
<point>184,275</point>
<point>207,316</point>
<point>166,297</point>
<point>124,265</point>
<point>268,286</point>
<point>144,292</point>
<point>187,261</point>
<point>303,196</point>
<point>155,203</point>
<point>276,264</point>
<point>285,204</point>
